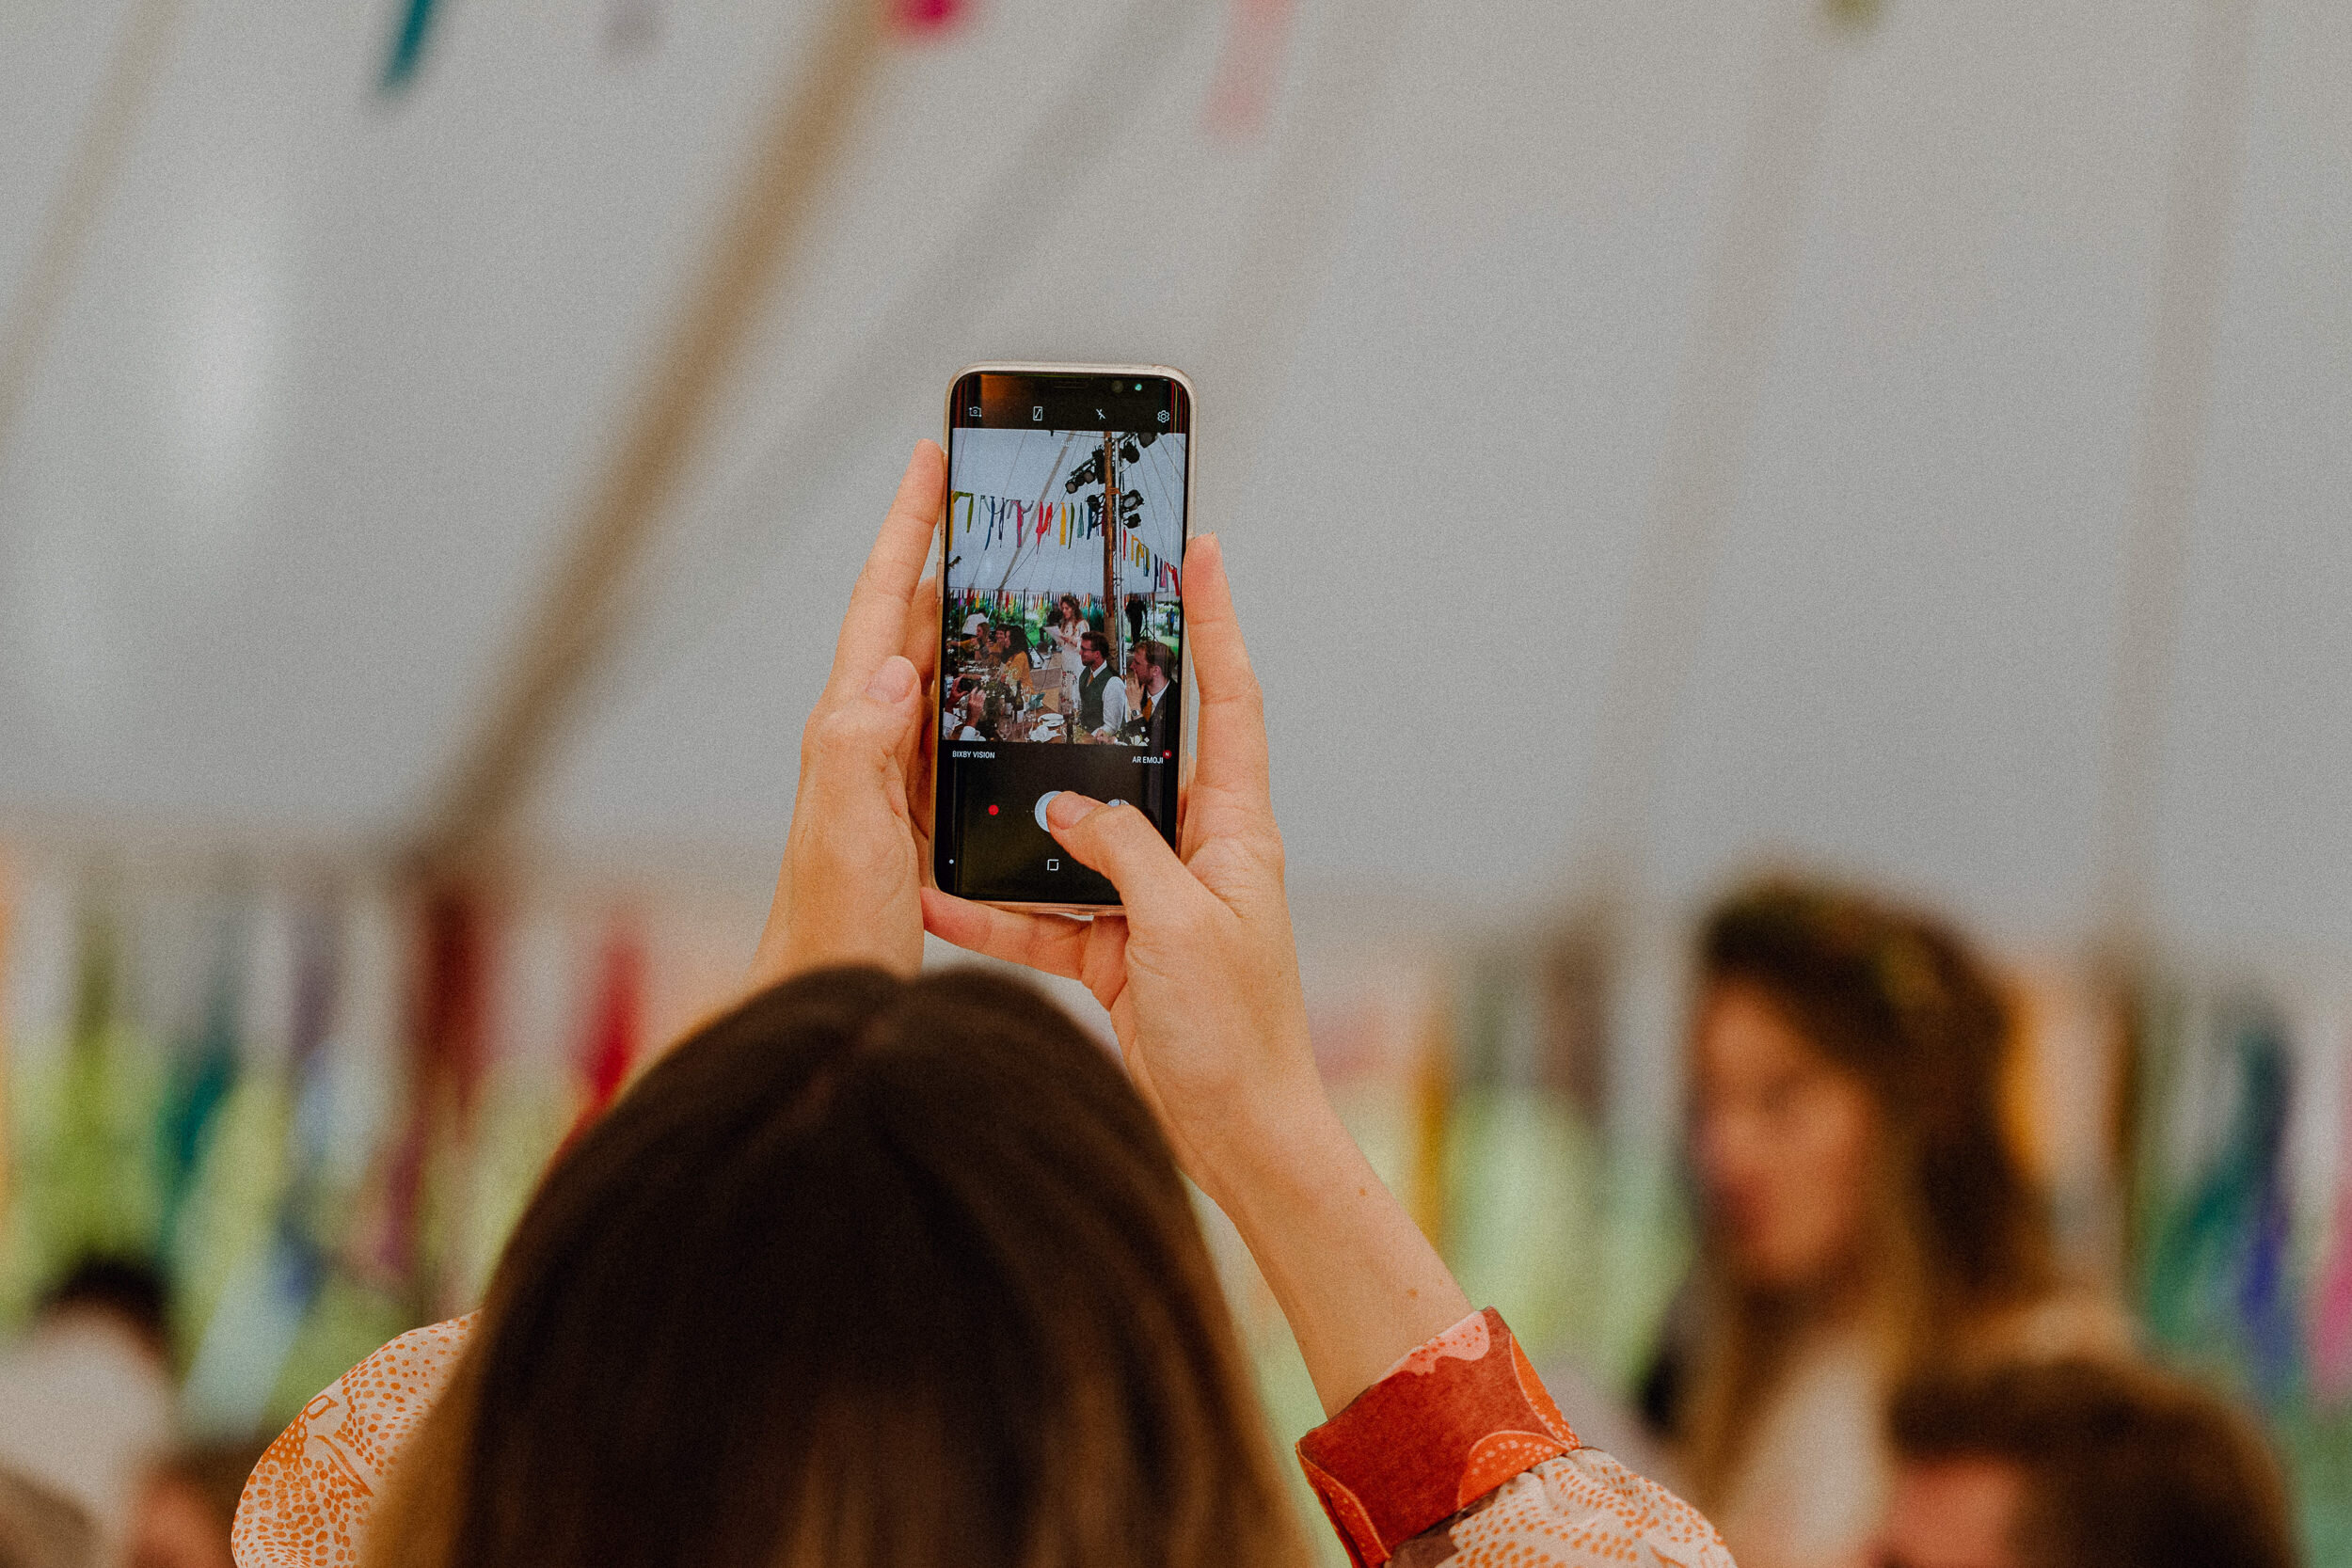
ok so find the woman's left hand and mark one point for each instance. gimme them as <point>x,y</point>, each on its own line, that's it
<point>851,890</point>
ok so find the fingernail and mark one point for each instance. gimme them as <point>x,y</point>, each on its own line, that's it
<point>1068,808</point>
<point>894,682</point>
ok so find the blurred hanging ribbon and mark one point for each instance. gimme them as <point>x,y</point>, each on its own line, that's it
<point>925,16</point>
<point>1241,97</point>
<point>2331,1306</point>
<point>203,1070</point>
<point>2220,1265</point>
<point>414,30</point>
<point>95,1167</point>
<point>245,1348</point>
<point>444,1072</point>
<point>615,1027</point>
<point>7,1046</point>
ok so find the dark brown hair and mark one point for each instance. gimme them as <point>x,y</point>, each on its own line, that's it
<point>2125,1468</point>
<point>868,1271</point>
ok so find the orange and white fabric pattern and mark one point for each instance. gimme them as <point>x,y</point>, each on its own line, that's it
<point>307,1503</point>
<point>1459,1456</point>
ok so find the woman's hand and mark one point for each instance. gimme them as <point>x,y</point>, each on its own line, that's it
<point>1200,973</point>
<point>849,892</point>
<point>1200,977</point>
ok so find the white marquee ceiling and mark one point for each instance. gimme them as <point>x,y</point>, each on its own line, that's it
<point>335,374</point>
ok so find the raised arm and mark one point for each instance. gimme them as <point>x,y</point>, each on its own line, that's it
<point>1442,1442</point>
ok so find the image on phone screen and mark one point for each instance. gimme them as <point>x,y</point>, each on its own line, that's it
<point>1061,653</point>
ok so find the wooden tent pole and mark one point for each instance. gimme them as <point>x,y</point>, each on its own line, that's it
<point>579,616</point>
<point>1740,305</point>
<point>130,76</point>
<point>2192,278</point>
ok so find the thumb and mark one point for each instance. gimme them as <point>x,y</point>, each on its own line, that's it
<point>1122,844</point>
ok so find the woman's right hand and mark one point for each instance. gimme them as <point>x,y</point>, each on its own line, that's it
<point>1200,973</point>
<point>1200,977</point>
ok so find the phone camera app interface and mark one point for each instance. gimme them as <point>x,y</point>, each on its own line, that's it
<point>1061,648</point>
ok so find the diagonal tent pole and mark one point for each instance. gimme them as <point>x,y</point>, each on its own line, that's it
<point>1588,962</point>
<point>579,618</point>
<point>2192,279</point>
<point>98,154</point>
<point>971,272</point>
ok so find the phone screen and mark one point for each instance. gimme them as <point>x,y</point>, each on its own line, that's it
<point>1062,634</point>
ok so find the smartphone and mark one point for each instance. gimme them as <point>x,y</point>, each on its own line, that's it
<point>1061,635</point>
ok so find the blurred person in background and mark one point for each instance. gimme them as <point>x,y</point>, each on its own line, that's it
<point>40,1529</point>
<point>2079,1464</point>
<point>1864,1214</point>
<point>86,1396</point>
<point>186,1506</point>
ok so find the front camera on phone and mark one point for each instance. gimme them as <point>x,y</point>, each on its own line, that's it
<point>1163,416</point>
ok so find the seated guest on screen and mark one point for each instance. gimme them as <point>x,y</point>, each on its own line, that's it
<point>1866,1217</point>
<point>974,717</point>
<point>891,1270</point>
<point>1102,695</point>
<point>2079,1464</point>
<point>1014,645</point>
<point>952,715</point>
<point>1158,670</point>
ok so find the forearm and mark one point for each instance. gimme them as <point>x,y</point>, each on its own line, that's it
<point>1358,1281</point>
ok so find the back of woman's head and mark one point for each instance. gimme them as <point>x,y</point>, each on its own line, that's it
<point>1899,1002</point>
<point>867,1272</point>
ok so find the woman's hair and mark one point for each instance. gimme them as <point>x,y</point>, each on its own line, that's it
<point>866,1272</point>
<point>1897,1002</point>
<point>1020,635</point>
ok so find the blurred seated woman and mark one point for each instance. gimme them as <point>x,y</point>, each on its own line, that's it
<point>887,1270</point>
<point>1865,1217</point>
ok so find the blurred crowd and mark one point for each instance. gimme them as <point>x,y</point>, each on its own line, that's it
<point>1877,1361</point>
<point>93,1468</point>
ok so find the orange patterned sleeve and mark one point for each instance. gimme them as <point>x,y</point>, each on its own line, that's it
<point>1459,1456</point>
<point>307,1503</point>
